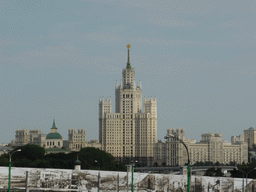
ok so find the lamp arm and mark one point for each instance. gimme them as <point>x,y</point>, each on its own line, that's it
<point>180,140</point>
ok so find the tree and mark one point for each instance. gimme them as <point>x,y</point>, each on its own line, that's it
<point>88,155</point>
<point>28,155</point>
<point>214,172</point>
<point>30,151</point>
<point>210,172</point>
<point>4,159</point>
<point>33,156</point>
<point>218,173</point>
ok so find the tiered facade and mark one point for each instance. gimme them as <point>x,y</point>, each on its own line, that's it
<point>130,132</point>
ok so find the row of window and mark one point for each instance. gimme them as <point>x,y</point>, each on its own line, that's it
<point>49,143</point>
<point>127,96</point>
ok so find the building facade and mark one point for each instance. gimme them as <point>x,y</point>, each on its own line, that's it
<point>130,132</point>
<point>239,138</point>
<point>250,137</point>
<point>211,148</point>
<point>24,137</point>
<point>53,139</point>
<point>77,140</point>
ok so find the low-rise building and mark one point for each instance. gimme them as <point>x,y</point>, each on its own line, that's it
<point>211,148</point>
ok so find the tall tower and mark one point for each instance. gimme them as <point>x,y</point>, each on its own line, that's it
<point>129,133</point>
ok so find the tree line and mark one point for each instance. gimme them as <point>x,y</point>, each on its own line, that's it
<point>34,156</point>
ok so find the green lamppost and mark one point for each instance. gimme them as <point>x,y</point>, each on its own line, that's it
<point>133,165</point>
<point>10,167</point>
<point>247,176</point>
<point>98,175</point>
<point>243,176</point>
<point>180,140</point>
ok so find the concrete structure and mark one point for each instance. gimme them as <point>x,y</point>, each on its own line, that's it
<point>130,132</point>
<point>210,148</point>
<point>250,136</point>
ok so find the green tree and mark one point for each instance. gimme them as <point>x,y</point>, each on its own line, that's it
<point>4,159</point>
<point>218,173</point>
<point>30,151</point>
<point>88,155</point>
<point>210,172</point>
<point>33,156</point>
<point>28,155</point>
<point>214,172</point>
<point>59,160</point>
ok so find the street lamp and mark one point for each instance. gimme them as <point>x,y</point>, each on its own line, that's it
<point>10,167</point>
<point>133,165</point>
<point>117,187</point>
<point>247,176</point>
<point>98,176</point>
<point>243,176</point>
<point>180,140</point>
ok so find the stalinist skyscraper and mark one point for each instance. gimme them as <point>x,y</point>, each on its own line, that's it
<point>130,132</point>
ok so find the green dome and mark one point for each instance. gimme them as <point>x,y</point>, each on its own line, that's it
<point>78,162</point>
<point>53,136</point>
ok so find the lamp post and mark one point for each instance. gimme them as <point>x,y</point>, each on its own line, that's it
<point>98,175</point>
<point>117,187</point>
<point>133,165</point>
<point>10,167</point>
<point>243,176</point>
<point>188,167</point>
<point>247,176</point>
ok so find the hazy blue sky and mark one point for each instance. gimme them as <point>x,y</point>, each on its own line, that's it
<point>196,57</point>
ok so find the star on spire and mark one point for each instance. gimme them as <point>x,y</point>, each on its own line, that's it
<point>128,66</point>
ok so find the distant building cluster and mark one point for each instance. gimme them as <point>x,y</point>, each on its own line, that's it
<point>131,133</point>
<point>53,141</point>
<point>211,148</point>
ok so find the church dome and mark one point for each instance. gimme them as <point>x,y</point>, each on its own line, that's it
<point>78,162</point>
<point>53,136</point>
<point>54,132</point>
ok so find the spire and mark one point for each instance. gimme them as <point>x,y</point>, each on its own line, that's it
<point>128,66</point>
<point>53,124</point>
<point>116,84</point>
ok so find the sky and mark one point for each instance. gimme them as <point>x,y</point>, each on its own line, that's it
<point>197,57</point>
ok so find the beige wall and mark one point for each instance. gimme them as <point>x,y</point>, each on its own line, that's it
<point>210,148</point>
<point>53,143</point>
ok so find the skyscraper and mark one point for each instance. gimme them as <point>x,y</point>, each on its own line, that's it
<point>130,132</point>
